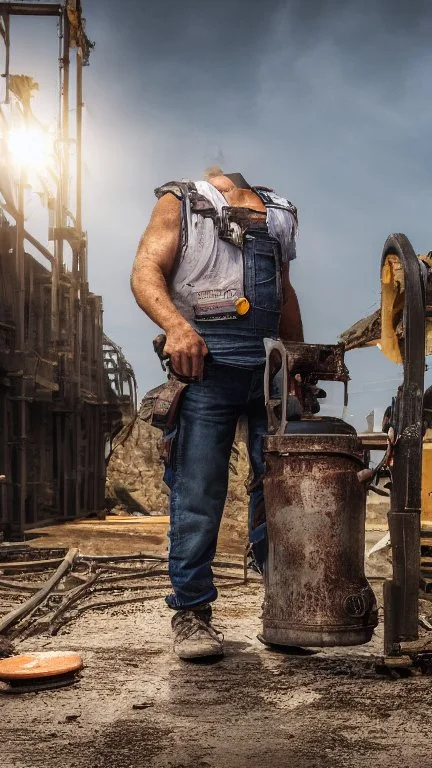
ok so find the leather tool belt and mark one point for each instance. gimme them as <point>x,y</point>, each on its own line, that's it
<point>160,405</point>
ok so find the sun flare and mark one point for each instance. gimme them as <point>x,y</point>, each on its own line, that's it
<point>30,147</point>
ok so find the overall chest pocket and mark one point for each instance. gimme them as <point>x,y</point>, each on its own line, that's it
<point>268,289</point>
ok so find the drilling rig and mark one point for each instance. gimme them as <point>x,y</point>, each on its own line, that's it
<point>65,387</point>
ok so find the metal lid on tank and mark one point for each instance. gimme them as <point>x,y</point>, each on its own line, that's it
<point>316,435</point>
<point>319,425</point>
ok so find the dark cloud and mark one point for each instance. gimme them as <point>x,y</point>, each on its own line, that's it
<point>328,102</point>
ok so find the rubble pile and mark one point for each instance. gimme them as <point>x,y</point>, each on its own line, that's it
<point>135,473</point>
<point>135,480</point>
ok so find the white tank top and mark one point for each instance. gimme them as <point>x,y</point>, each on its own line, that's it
<point>207,279</point>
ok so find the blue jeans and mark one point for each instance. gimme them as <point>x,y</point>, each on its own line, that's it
<point>197,472</point>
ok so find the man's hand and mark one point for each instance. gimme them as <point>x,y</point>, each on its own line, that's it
<point>187,350</point>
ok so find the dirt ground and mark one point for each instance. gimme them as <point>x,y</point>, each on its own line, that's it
<point>137,706</point>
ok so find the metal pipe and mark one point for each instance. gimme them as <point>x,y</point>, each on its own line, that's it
<point>23,610</point>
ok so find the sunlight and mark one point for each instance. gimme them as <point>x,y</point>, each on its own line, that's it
<point>30,147</point>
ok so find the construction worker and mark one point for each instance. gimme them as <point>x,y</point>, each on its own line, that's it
<point>212,270</point>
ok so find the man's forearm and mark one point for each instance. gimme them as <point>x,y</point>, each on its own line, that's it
<point>151,293</point>
<point>290,325</point>
<point>154,261</point>
<point>152,268</point>
<point>183,345</point>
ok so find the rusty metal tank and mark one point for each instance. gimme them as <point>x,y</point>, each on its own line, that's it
<point>316,592</point>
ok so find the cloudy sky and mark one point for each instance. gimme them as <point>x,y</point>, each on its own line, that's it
<point>329,103</point>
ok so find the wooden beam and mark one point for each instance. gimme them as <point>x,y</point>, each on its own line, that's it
<point>31,9</point>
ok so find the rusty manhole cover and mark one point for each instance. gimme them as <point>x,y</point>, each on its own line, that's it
<point>29,666</point>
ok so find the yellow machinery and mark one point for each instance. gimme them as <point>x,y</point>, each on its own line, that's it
<point>426,484</point>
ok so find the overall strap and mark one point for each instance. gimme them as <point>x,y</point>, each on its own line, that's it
<point>282,221</point>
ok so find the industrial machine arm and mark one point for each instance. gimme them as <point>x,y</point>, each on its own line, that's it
<point>401,592</point>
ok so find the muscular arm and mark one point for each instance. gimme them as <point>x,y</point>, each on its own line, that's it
<point>152,267</point>
<point>290,324</point>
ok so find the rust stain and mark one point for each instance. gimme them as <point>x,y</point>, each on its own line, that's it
<point>315,509</point>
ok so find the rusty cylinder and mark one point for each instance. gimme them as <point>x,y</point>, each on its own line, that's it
<point>316,592</point>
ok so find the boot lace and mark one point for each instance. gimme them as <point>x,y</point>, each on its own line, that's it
<point>189,622</point>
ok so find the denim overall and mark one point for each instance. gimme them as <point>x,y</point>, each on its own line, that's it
<point>197,470</point>
<point>240,342</point>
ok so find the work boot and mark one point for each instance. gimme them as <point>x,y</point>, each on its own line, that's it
<point>194,636</point>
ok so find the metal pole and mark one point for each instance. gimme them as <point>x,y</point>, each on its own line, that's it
<point>79,285</point>
<point>79,266</point>
<point>65,142</point>
<point>21,338</point>
<point>63,184</point>
<point>23,454</point>
<point>6,20</point>
<point>55,267</point>
<point>79,116</point>
<point>19,260</point>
